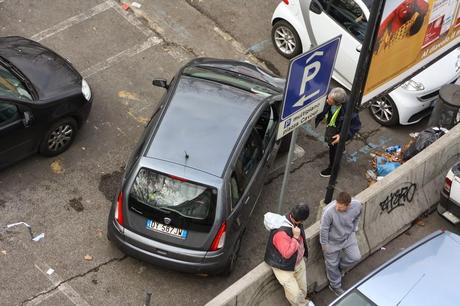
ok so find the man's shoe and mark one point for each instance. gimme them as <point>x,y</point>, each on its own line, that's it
<point>326,172</point>
<point>337,291</point>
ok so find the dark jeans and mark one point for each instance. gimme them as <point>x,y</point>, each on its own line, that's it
<point>332,151</point>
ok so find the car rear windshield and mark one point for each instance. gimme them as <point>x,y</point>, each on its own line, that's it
<point>229,78</point>
<point>354,298</point>
<point>173,194</point>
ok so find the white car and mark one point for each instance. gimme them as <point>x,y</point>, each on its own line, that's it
<point>449,204</point>
<point>408,103</point>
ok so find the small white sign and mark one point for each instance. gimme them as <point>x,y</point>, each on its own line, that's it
<point>291,123</point>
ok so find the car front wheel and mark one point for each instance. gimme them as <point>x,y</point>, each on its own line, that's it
<point>384,111</point>
<point>59,137</point>
<point>286,40</point>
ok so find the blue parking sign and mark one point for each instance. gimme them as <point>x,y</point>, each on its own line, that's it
<point>309,77</point>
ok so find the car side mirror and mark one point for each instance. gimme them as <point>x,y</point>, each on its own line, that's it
<point>316,7</point>
<point>160,83</point>
<point>27,119</point>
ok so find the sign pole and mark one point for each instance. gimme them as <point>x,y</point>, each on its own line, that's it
<point>286,169</point>
<point>305,8</point>
<point>357,90</point>
<point>308,80</point>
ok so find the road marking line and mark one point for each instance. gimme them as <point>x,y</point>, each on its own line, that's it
<point>132,19</point>
<point>150,42</point>
<point>73,21</point>
<point>65,288</point>
<point>40,299</point>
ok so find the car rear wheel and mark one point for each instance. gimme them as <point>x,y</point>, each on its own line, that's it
<point>233,258</point>
<point>286,40</point>
<point>384,111</point>
<point>59,137</point>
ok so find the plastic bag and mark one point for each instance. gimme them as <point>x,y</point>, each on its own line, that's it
<point>274,221</point>
<point>423,140</point>
<point>385,167</point>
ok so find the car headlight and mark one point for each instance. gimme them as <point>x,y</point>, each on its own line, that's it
<point>413,85</point>
<point>85,90</point>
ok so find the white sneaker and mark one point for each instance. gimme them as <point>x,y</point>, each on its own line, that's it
<point>311,303</point>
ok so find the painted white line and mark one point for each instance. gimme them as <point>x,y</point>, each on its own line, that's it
<point>65,288</point>
<point>132,19</point>
<point>150,42</point>
<point>40,299</point>
<point>104,6</point>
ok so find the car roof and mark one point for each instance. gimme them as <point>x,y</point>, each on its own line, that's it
<point>425,275</point>
<point>203,120</point>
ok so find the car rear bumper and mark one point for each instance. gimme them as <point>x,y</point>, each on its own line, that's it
<point>450,206</point>
<point>140,247</point>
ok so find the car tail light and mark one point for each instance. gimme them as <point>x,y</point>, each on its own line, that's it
<point>219,241</point>
<point>447,185</point>
<point>119,209</point>
<point>286,1</point>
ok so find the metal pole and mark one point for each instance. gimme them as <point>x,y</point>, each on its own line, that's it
<point>305,8</point>
<point>286,169</point>
<point>148,296</point>
<point>357,90</point>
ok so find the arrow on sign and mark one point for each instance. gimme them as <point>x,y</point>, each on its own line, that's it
<point>302,100</point>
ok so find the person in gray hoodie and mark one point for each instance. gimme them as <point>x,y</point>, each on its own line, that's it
<point>339,223</point>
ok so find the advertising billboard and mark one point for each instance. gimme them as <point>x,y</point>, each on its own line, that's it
<point>412,34</point>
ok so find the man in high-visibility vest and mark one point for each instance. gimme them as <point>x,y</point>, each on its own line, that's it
<point>333,116</point>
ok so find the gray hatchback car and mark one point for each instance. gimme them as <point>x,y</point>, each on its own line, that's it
<point>197,172</point>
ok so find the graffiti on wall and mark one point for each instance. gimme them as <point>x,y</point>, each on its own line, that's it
<point>399,197</point>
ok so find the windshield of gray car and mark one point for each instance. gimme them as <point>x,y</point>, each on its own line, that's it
<point>229,78</point>
<point>173,194</point>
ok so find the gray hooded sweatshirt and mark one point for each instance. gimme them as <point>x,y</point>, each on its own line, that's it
<point>337,227</point>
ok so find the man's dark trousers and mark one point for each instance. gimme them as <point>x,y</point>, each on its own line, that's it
<point>332,151</point>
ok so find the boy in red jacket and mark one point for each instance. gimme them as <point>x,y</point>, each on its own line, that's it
<point>286,248</point>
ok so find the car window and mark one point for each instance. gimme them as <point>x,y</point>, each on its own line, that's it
<point>8,113</point>
<point>235,190</point>
<point>266,125</point>
<point>170,193</point>
<point>229,78</point>
<point>348,14</point>
<point>248,159</point>
<point>11,87</point>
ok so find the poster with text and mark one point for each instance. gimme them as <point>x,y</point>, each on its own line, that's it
<point>412,34</point>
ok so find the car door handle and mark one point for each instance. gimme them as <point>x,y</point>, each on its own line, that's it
<point>358,49</point>
<point>247,200</point>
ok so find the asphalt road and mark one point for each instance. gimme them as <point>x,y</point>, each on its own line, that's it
<point>68,197</point>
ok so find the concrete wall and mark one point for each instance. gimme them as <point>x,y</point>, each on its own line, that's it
<point>390,206</point>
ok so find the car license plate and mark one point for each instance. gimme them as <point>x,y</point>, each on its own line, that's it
<point>166,229</point>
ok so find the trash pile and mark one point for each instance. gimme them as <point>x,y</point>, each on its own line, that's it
<point>386,161</point>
